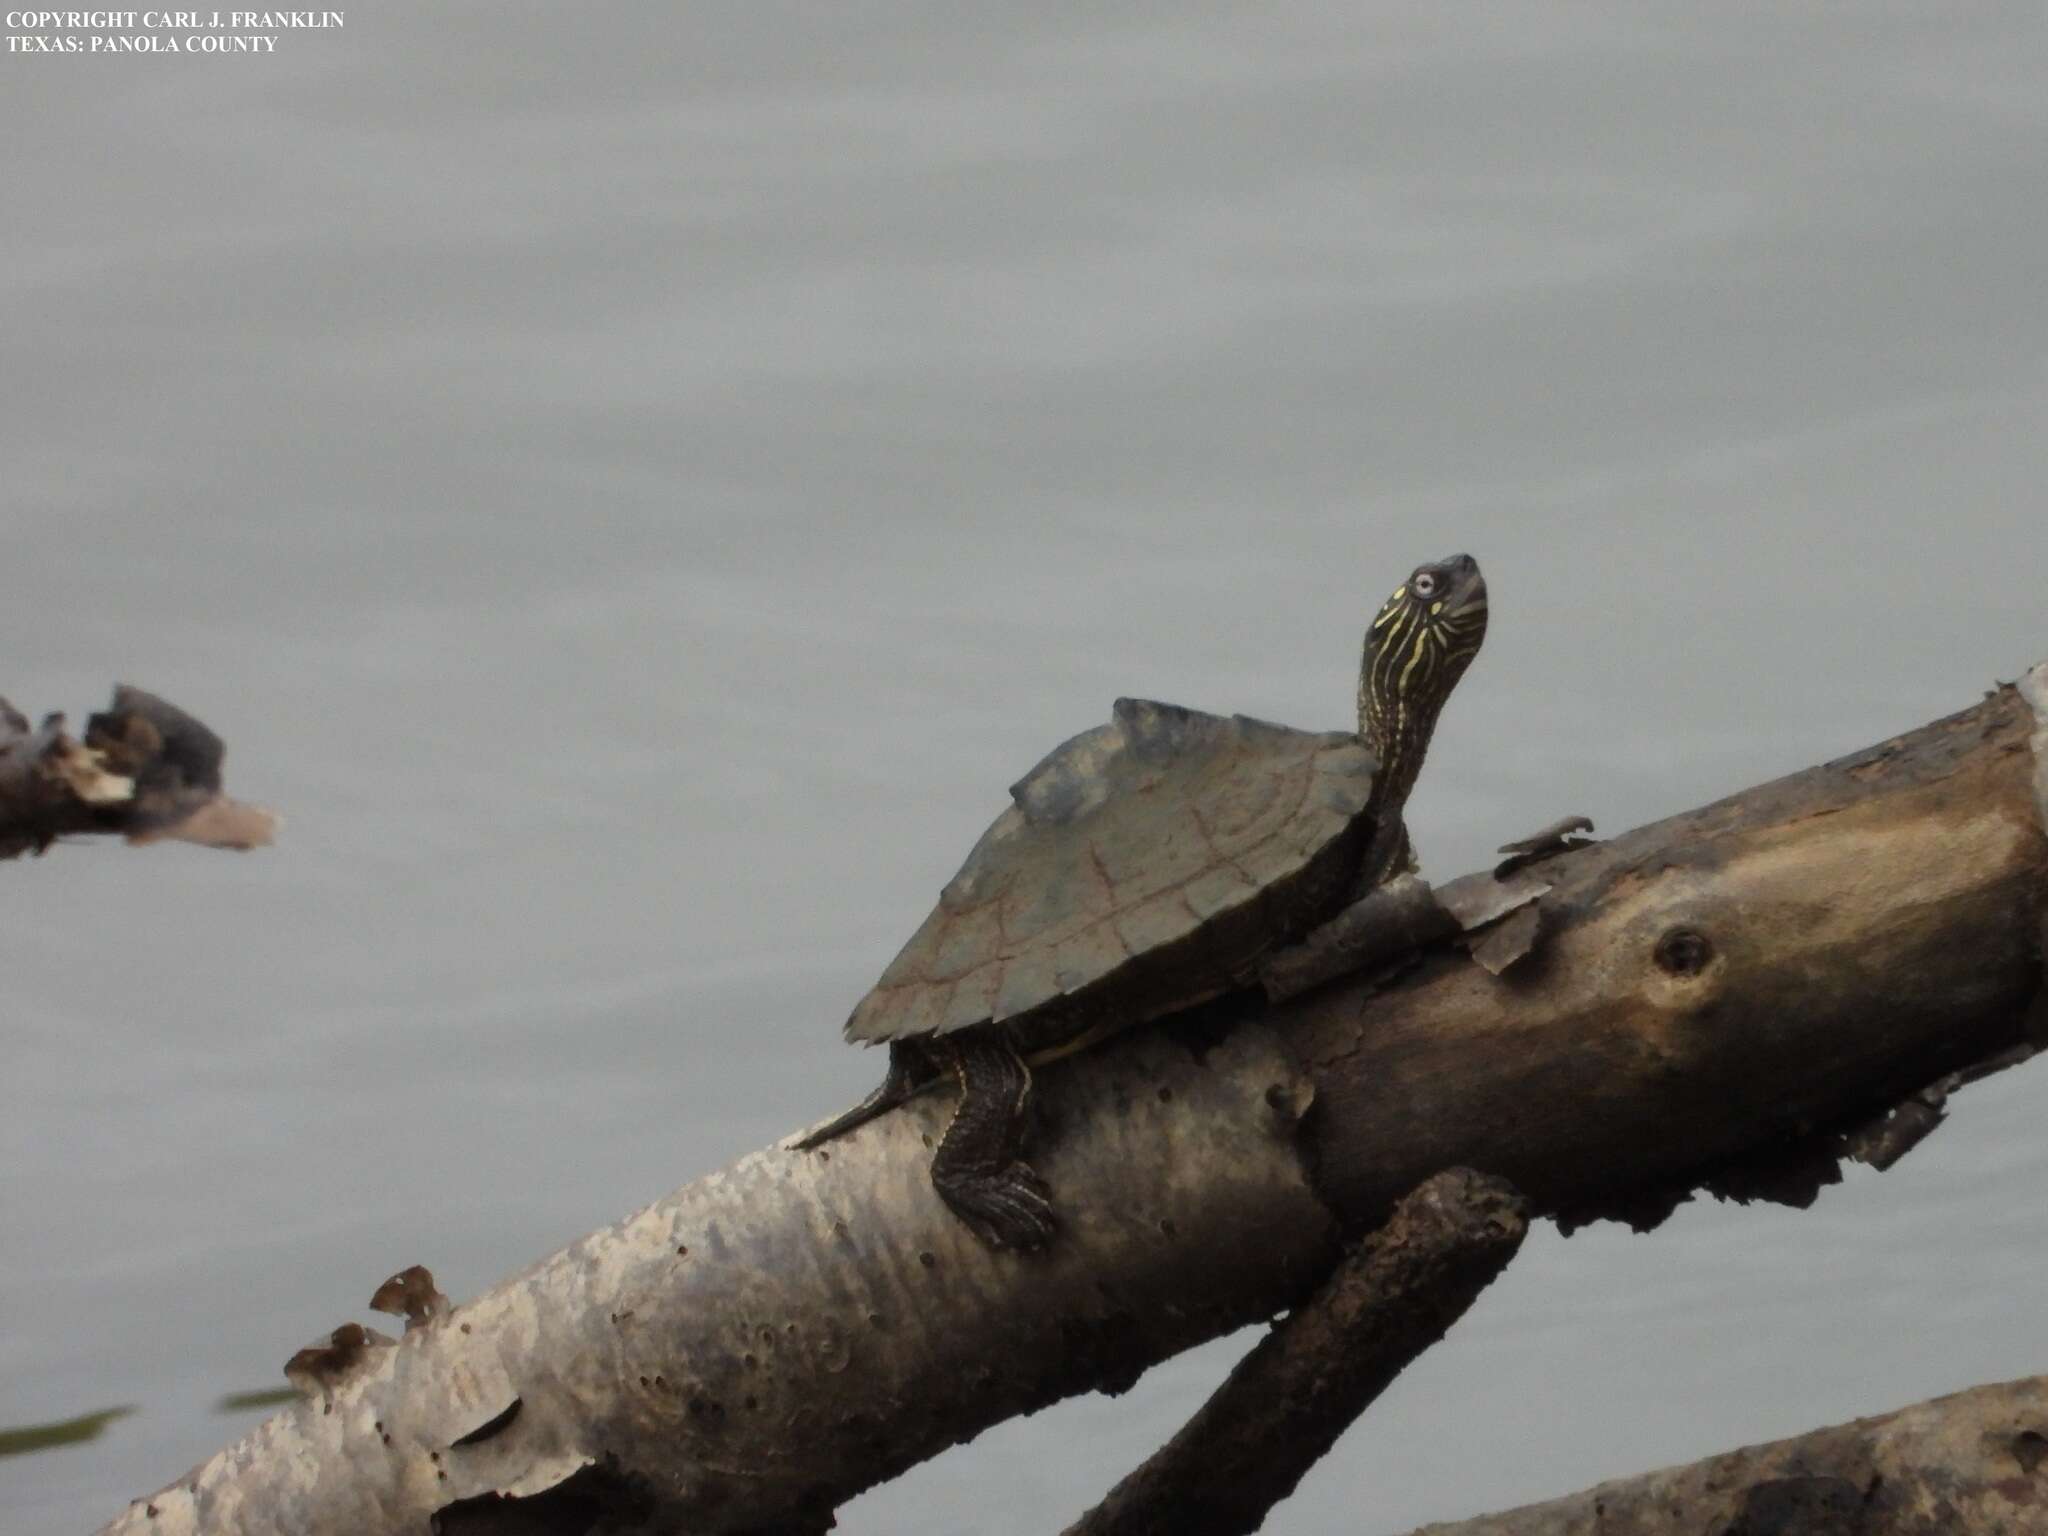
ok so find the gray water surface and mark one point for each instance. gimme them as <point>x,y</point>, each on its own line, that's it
<point>633,488</point>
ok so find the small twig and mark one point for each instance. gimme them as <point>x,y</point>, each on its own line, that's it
<point>1289,1400</point>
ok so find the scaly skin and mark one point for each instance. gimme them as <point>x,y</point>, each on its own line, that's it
<point>1416,649</point>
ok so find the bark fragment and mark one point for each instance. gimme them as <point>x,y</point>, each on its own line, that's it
<point>318,1369</point>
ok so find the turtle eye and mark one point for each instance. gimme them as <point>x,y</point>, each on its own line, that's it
<point>1423,584</point>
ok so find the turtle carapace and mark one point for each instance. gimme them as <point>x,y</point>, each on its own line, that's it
<point>1143,867</point>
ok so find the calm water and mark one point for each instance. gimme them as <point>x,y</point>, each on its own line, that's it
<point>634,493</point>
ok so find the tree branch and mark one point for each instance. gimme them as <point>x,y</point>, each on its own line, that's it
<point>1289,1400</point>
<point>1965,1465</point>
<point>1714,993</point>
<point>1723,997</point>
<point>146,770</point>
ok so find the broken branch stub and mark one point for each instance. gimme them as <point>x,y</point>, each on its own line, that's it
<point>1390,924</point>
<point>146,770</point>
<point>412,1295</point>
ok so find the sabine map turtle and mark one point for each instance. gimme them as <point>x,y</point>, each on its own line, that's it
<point>1146,866</point>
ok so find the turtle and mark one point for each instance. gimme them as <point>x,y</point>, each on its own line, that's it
<point>1144,867</point>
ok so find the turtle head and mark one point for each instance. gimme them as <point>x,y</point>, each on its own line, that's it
<point>1416,650</point>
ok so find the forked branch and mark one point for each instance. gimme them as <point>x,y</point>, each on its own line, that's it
<point>1729,998</point>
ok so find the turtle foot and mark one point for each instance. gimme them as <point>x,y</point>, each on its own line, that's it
<point>1008,1209</point>
<point>977,1170</point>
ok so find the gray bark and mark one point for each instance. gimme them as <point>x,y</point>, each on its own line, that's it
<point>1965,1465</point>
<point>1724,998</point>
<point>1716,997</point>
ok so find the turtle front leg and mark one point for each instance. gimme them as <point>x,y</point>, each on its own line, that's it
<point>978,1170</point>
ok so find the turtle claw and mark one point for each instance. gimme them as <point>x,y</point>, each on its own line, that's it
<point>1010,1209</point>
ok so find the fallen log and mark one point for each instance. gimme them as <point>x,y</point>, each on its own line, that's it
<point>1969,1464</point>
<point>1734,998</point>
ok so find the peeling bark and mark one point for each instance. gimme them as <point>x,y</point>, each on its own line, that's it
<point>1725,998</point>
<point>1966,1465</point>
<point>1289,1400</point>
